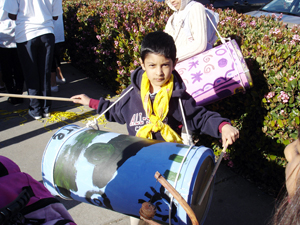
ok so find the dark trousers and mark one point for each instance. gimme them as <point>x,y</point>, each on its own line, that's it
<point>36,57</point>
<point>12,74</point>
<point>56,56</point>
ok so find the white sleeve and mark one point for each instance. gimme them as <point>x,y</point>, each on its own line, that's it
<point>11,6</point>
<point>198,28</point>
<point>57,8</point>
<point>168,28</point>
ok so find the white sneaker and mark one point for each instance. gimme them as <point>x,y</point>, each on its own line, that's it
<point>60,81</point>
<point>34,117</point>
<point>46,115</point>
<point>54,88</point>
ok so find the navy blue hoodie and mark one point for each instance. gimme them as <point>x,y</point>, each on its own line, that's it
<point>130,110</point>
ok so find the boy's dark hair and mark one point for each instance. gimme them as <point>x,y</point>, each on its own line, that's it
<point>158,42</point>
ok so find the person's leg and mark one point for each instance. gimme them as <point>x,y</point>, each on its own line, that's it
<point>28,55</point>
<point>54,87</point>
<point>6,67</point>
<point>57,51</point>
<point>6,58</point>
<point>44,65</point>
<point>18,72</point>
<point>2,86</point>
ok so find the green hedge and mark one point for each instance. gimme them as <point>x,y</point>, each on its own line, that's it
<point>103,38</point>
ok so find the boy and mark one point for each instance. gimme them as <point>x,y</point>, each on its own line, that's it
<point>151,109</point>
<point>34,35</point>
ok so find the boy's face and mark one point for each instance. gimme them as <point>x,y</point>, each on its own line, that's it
<point>159,70</point>
<point>176,3</point>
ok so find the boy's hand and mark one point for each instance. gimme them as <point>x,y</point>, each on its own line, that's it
<point>81,99</point>
<point>229,133</point>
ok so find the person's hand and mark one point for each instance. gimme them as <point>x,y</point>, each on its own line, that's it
<point>229,133</point>
<point>81,99</point>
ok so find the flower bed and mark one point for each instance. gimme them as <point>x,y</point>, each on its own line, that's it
<point>103,41</point>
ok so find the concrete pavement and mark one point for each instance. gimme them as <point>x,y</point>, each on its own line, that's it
<point>235,201</point>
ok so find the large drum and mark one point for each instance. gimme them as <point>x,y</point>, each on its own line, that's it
<point>117,171</point>
<point>215,74</point>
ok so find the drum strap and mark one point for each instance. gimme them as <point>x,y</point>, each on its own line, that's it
<point>95,121</point>
<point>184,122</point>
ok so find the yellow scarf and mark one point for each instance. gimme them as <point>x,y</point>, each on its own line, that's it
<point>160,108</point>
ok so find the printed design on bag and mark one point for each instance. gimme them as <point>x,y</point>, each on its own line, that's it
<point>220,52</point>
<point>181,71</point>
<point>208,68</point>
<point>193,64</point>
<point>216,64</point>
<point>207,58</point>
<point>219,85</point>
<point>222,62</point>
<point>197,76</point>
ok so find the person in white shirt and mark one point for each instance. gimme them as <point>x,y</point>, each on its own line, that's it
<point>34,34</point>
<point>188,27</point>
<point>12,74</point>
<point>56,74</point>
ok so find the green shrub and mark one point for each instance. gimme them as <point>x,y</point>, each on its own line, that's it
<point>268,114</point>
<point>103,38</point>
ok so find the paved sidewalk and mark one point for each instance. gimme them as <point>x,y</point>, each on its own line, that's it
<point>235,201</point>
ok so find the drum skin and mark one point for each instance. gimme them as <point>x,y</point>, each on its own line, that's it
<point>116,172</point>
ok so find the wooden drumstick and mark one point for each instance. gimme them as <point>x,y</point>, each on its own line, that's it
<point>178,197</point>
<point>36,97</point>
<point>213,173</point>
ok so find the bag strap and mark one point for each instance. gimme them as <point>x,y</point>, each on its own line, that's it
<point>219,35</point>
<point>10,212</point>
<point>185,20</point>
<point>187,9</point>
<point>184,122</point>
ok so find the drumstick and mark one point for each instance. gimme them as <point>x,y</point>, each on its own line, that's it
<point>178,197</point>
<point>36,97</point>
<point>213,173</point>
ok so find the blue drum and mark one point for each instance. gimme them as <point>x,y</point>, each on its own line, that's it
<point>116,171</point>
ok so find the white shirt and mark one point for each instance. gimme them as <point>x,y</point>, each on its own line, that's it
<point>7,29</point>
<point>197,43</point>
<point>59,31</point>
<point>34,17</point>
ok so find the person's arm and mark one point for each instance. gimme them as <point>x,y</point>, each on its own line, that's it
<point>81,99</point>
<point>114,114</point>
<point>208,122</point>
<point>12,16</point>
<point>230,134</point>
<point>11,7</point>
<point>57,9</point>
<point>198,28</point>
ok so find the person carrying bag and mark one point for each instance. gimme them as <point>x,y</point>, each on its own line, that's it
<point>192,26</point>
